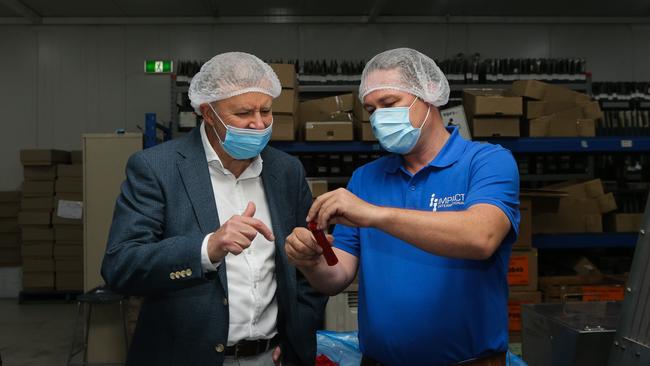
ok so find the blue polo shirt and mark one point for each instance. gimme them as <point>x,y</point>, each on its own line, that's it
<point>417,308</point>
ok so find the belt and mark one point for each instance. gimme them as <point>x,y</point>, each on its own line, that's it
<point>497,359</point>
<point>246,348</point>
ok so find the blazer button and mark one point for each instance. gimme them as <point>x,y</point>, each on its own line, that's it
<point>219,348</point>
<point>225,301</point>
<point>178,274</point>
<point>172,276</point>
<point>183,273</point>
<point>189,272</point>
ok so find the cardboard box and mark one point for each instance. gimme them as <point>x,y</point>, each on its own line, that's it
<point>549,223</point>
<point>624,222</point>
<point>592,110</point>
<point>532,89</point>
<point>10,256</point>
<point>322,109</point>
<point>286,74</point>
<point>535,109</point>
<point>329,131</point>
<point>29,233</point>
<point>37,173</point>
<point>76,157</point>
<point>31,157</point>
<point>37,204</point>
<point>515,300</point>
<point>522,270</point>
<point>317,187</point>
<point>38,189</point>
<point>284,128</point>
<point>68,210</point>
<point>70,171</point>
<point>360,113</point>
<point>69,185</point>
<point>9,196</point>
<point>525,238</point>
<point>68,234</point>
<point>587,206</point>
<point>366,132</point>
<point>9,209</point>
<point>491,102</point>
<point>286,103</point>
<point>62,251</point>
<point>34,218</point>
<point>38,249</point>
<point>38,280</point>
<point>495,127</point>
<point>538,90</point>
<point>9,239</point>
<point>69,281</point>
<point>596,292</point>
<point>551,126</point>
<point>9,225</point>
<point>69,265</point>
<point>38,264</point>
<point>592,188</point>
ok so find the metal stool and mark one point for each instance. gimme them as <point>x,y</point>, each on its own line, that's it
<point>98,296</point>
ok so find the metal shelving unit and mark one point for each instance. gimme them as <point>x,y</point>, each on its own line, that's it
<point>585,240</point>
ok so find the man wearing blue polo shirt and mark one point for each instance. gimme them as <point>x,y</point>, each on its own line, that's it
<point>429,227</point>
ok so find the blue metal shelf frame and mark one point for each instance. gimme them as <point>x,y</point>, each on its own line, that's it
<point>585,240</point>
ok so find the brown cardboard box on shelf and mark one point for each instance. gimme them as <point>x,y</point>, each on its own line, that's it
<point>538,90</point>
<point>286,74</point>
<point>29,233</point>
<point>366,132</point>
<point>491,102</point>
<point>30,157</point>
<point>76,157</point>
<point>9,209</point>
<point>515,300</point>
<point>38,188</point>
<point>592,110</point>
<point>68,209</point>
<point>360,113</point>
<point>623,222</point>
<point>495,127</point>
<point>38,264</point>
<point>329,131</point>
<point>9,196</point>
<point>588,206</point>
<point>522,270</point>
<point>535,109</point>
<point>37,204</point>
<point>38,280</point>
<point>37,173</point>
<point>532,89</point>
<point>34,218</point>
<point>525,238</point>
<point>567,223</point>
<point>62,251</point>
<point>68,234</point>
<point>284,128</point>
<point>69,265</point>
<point>592,188</point>
<point>9,239</point>
<point>551,126</point>
<point>9,225</point>
<point>38,249</point>
<point>554,107</point>
<point>317,186</point>
<point>70,171</point>
<point>69,281</point>
<point>286,103</point>
<point>10,256</point>
<point>69,185</point>
<point>576,289</point>
<point>324,108</point>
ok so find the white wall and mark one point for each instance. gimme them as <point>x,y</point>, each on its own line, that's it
<point>61,81</point>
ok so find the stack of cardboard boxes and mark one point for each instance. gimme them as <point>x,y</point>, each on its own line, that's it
<point>285,123</point>
<point>9,229</point>
<point>581,211</point>
<point>35,217</point>
<point>68,225</point>
<point>362,121</point>
<point>555,111</point>
<point>328,119</point>
<point>492,112</point>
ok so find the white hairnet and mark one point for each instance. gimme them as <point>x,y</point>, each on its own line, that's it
<point>406,70</point>
<point>230,74</point>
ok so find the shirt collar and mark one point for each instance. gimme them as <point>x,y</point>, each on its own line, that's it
<point>447,156</point>
<point>252,171</point>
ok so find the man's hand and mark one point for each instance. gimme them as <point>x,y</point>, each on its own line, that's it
<point>277,353</point>
<point>302,249</point>
<point>342,207</point>
<point>237,234</point>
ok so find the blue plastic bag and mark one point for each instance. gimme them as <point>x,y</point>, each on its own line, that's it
<point>340,347</point>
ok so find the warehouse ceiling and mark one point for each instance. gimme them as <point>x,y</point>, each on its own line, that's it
<point>311,11</point>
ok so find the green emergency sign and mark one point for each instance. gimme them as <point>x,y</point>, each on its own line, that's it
<point>158,66</point>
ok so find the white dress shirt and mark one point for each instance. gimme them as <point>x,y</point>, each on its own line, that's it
<point>252,303</point>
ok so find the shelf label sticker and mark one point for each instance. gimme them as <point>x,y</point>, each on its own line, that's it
<point>584,144</point>
<point>627,143</point>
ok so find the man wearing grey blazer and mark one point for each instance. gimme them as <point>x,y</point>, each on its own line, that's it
<point>199,231</point>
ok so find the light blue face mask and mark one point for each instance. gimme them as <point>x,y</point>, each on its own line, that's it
<point>243,143</point>
<point>394,130</point>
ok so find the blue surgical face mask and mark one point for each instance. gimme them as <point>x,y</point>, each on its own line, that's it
<point>243,143</point>
<point>394,130</point>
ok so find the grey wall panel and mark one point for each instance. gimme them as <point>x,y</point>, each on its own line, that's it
<point>500,41</point>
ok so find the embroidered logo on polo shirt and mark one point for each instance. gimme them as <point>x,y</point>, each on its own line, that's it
<point>437,203</point>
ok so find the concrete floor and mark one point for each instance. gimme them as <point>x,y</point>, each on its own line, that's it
<point>35,334</point>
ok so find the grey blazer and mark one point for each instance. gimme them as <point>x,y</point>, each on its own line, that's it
<point>165,209</point>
